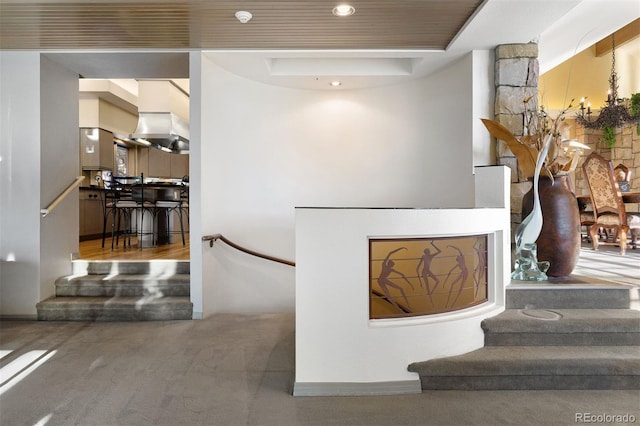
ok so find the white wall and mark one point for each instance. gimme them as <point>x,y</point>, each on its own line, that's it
<point>195,183</point>
<point>338,349</point>
<point>267,149</point>
<point>39,153</point>
<point>482,101</point>
<point>59,166</point>
<point>19,183</point>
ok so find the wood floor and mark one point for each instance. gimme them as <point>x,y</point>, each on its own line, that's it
<point>92,250</point>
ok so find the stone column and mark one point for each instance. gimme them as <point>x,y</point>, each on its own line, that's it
<point>516,80</point>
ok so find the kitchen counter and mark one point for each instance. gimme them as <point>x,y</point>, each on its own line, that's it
<point>164,196</point>
<point>157,185</point>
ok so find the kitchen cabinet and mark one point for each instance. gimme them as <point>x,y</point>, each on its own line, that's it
<point>142,161</point>
<point>96,149</point>
<point>179,165</point>
<point>156,163</point>
<point>91,214</point>
<point>159,163</point>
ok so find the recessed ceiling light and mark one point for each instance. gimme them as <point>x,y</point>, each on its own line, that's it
<point>335,83</point>
<point>344,10</point>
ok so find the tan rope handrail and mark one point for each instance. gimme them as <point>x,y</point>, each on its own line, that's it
<point>60,197</point>
<point>216,237</point>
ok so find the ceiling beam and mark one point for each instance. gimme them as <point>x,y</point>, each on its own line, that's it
<point>623,35</point>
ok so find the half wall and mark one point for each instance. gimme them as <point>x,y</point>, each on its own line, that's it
<point>339,350</point>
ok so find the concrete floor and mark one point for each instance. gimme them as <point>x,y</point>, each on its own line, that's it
<point>232,370</point>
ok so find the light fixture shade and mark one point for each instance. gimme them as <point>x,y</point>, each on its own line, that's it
<point>243,16</point>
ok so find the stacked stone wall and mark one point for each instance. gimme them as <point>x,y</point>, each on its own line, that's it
<point>516,80</point>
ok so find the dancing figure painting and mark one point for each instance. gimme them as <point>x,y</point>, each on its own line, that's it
<point>425,276</point>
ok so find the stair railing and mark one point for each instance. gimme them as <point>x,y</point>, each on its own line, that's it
<point>61,197</point>
<point>216,237</point>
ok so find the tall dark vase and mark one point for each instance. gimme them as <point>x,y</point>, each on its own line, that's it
<point>559,240</point>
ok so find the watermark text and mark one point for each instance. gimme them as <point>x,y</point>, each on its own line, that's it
<point>604,418</point>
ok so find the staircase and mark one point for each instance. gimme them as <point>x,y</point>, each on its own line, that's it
<point>121,291</point>
<point>549,337</point>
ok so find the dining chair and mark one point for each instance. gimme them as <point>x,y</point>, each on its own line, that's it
<point>586,222</point>
<point>622,173</point>
<point>608,208</point>
<point>623,176</point>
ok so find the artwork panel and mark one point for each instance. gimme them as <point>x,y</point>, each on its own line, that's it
<point>425,276</point>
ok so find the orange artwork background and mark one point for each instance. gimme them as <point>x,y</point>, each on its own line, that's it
<point>423,276</point>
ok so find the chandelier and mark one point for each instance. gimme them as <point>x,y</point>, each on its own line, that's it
<point>617,111</point>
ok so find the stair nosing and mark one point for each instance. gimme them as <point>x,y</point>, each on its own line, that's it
<point>114,300</point>
<point>561,316</point>
<point>484,362</point>
<point>101,277</point>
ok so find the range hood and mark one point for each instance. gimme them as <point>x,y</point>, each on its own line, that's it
<point>162,130</point>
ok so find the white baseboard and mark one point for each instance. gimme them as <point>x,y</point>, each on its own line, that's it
<point>357,389</point>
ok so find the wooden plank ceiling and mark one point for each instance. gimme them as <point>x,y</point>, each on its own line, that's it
<point>623,35</point>
<point>151,24</point>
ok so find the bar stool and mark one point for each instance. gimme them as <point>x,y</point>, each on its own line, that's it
<point>171,203</point>
<point>123,206</point>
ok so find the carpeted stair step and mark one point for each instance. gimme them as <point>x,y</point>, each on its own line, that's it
<point>123,285</point>
<point>113,267</point>
<point>534,367</point>
<point>115,290</point>
<point>580,327</point>
<point>569,296</point>
<point>114,309</point>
